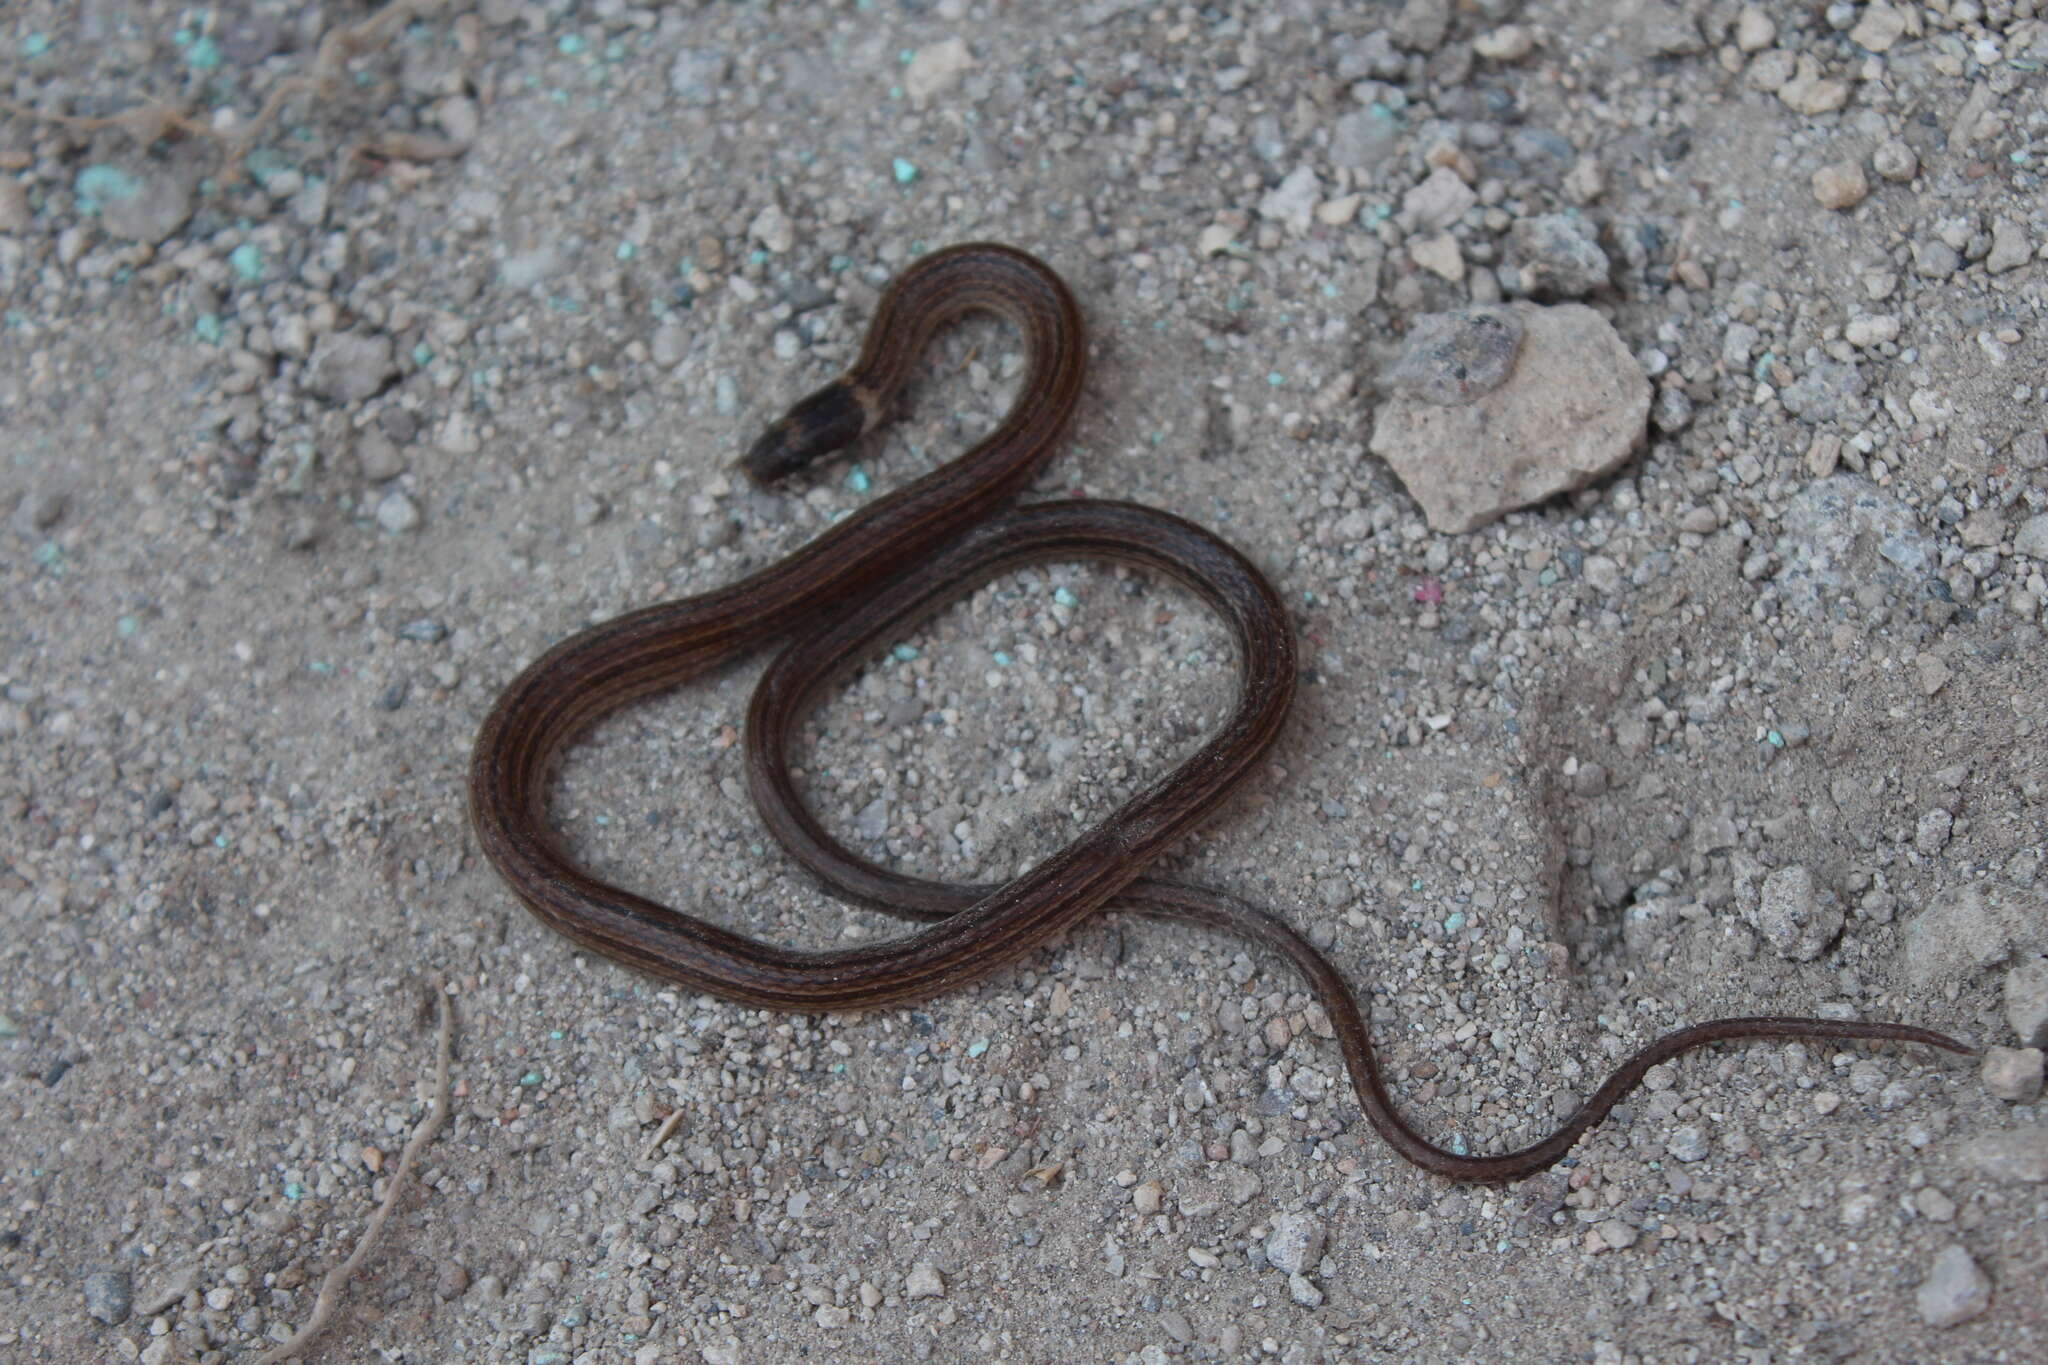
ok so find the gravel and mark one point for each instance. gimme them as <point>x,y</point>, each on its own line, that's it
<point>301,467</point>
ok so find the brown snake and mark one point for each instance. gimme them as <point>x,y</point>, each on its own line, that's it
<point>898,560</point>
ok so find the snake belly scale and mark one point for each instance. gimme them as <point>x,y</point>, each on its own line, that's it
<point>897,560</point>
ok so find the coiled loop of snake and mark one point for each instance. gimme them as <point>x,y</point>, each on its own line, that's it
<point>897,560</point>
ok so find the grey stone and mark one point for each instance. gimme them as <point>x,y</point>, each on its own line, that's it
<point>1954,1291</point>
<point>1440,200</point>
<point>1935,260</point>
<point>109,1294</point>
<point>1688,1143</point>
<point>1453,358</point>
<point>1931,833</point>
<point>1543,154</point>
<point>924,1282</point>
<point>2030,450</point>
<point>1295,1243</point>
<point>1293,200</point>
<point>176,1283</point>
<point>1618,1234</point>
<point>1372,55</point>
<point>1573,409</point>
<point>1970,927</point>
<point>1602,574</point>
<point>1559,255</point>
<point>1841,533</point>
<point>1795,917</point>
<point>1649,927</point>
<point>2026,1001</point>
<point>1825,393</point>
<point>348,367</point>
<point>1672,412</point>
<point>377,457</point>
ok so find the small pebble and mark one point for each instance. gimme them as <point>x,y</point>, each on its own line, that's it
<point>397,513</point>
<point>1878,27</point>
<point>1688,1143</point>
<point>1560,254</point>
<point>1954,1291</point>
<point>924,1282</point>
<point>1896,161</point>
<point>348,367</point>
<point>936,69</point>
<point>1795,916</point>
<point>2031,539</point>
<point>1508,43</point>
<point>377,457</point>
<point>2010,247</point>
<point>1755,30</point>
<point>1617,1234</point>
<point>1933,1205</point>
<point>2013,1074</point>
<point>109,1294</point>
<point>1295,1242</point>
<point>1840,186</point>
<point>451,1281</point>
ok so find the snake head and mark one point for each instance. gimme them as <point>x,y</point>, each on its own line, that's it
<point>830,419</point>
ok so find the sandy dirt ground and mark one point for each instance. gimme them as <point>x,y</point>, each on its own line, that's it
<point>314,429</point>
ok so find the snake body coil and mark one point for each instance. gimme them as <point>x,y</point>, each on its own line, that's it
<point>899,559</point>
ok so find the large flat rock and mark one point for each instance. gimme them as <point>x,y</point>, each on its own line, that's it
<point>1572,409</point>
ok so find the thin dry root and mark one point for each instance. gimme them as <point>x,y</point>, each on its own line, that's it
<point>159,118</point>
<point>337,1278</point>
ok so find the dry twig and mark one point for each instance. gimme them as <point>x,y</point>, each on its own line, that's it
<point>337,1278</point>
<point>663,1133</point>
